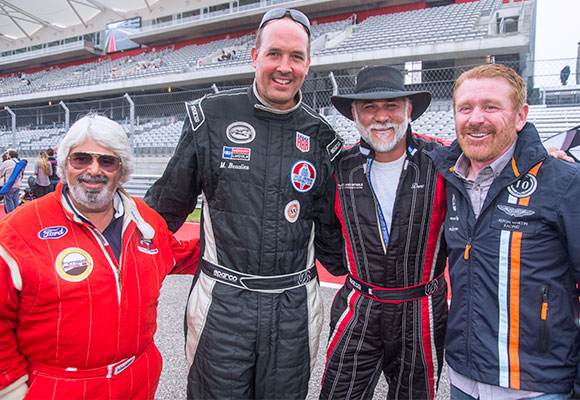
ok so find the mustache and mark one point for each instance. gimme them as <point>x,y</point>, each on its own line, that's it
<point>382,126</point>
<point>469,129</point>
<point>92,178</point>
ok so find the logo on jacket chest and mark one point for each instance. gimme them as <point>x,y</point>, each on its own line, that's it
<point>240,132</point>
<point>52,232</point>
<point>236,153</point>
<point>523,187</point>
<point>147,246</point>
<point>303,176</point>
<point>74,264</point>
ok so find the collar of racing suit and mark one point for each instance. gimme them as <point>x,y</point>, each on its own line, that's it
<point>262,105</point>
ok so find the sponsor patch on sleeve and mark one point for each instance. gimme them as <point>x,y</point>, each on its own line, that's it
<point>334,148</point>
<point>195,113</point>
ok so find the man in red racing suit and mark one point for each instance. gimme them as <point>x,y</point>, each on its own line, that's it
<point>78,310</point>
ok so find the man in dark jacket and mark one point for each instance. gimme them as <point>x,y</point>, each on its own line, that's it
<point>390,315</point>
<point>262,161</point>
<point>514,254</point>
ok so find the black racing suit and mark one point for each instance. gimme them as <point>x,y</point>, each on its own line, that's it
<point>398,332</point>
<point>266,177</point>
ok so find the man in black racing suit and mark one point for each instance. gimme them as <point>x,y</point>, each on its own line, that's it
<point>262,161</point>
<point>390,315</point>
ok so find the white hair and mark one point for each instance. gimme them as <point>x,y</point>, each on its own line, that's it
<point>105,132</point>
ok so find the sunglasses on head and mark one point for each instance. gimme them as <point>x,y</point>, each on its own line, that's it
<point>279,13</point>
<point>83,159</point>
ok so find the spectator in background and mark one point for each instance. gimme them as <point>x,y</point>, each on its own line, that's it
<point>54,179</point>
<point>564,75</point>
<point>11,172</point>
<point>42,172</point>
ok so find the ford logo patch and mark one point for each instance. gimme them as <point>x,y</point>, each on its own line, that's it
<point>52,232</point>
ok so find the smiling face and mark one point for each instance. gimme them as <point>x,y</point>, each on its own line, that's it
<point>281,62</point>
<point>92,188</point>
<point>382,124</point>
<point>486,122</point>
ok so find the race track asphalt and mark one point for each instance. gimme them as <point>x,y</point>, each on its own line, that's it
<point>170,340</point>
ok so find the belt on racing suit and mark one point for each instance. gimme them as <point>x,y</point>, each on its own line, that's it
<point>274,283</point>
<point>396,295</point>
<point>107,371</point>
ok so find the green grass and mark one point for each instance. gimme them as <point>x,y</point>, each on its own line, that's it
<point>195,216</point>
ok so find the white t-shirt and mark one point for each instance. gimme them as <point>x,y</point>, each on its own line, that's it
<point>385,180</point>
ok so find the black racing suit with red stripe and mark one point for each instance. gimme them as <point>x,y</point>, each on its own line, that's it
<point>402,337</point>
<point>266,177</point>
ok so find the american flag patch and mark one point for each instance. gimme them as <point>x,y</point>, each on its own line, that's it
<point>302,142</point>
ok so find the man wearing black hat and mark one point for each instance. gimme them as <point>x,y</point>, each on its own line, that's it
<point>391,313</point>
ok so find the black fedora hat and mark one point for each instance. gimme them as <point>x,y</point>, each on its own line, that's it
<point>376,83</point>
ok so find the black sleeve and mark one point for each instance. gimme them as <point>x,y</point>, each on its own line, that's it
<point>328,241</point>
<point>174,195</point>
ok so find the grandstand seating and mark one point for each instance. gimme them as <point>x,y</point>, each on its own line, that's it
<point>455,22</point>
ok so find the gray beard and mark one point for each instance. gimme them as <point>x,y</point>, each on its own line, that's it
<point>91,198</point>
<point>383,146</point>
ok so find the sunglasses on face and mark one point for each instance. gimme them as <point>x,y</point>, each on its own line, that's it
<point>279,13</point>
<point>83,159</point>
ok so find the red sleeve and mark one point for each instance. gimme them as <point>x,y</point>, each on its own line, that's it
<point>186,255</point>
<point>12,363</point>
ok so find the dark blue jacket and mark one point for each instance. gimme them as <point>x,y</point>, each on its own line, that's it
<point>513,319</point>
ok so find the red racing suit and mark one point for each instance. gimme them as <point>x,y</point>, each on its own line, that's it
<point>72,317</point>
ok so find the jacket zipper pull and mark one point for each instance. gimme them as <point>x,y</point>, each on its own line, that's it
<point>466,254</point>
<point>544,313</point>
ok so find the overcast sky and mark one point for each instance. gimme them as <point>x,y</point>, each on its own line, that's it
<point>557,29</point>
<point>557,37</point>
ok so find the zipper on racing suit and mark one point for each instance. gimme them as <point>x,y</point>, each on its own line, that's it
<point>544,333</point>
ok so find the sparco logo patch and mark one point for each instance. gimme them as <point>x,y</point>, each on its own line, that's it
<point>302,142</point>
<point>292,211</point>
<point>240,132</point>
<point>52,232</point>
<point>524,186</point>
<point>303,176</point>
<point>74,264</point>
<point>224,276</point>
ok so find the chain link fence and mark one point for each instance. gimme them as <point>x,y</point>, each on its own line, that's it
<point>153,121</point>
